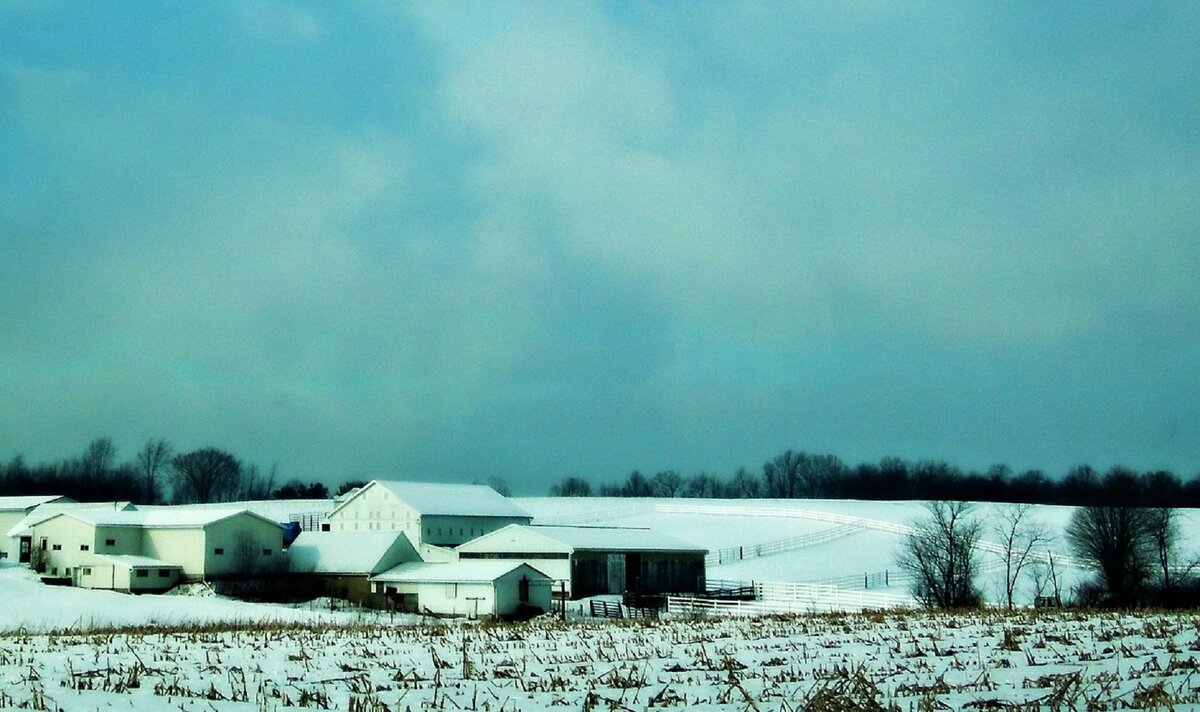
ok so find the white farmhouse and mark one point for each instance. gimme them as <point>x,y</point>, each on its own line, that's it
<point>476,589</point>
<point>198,543</point>
<point>443,515</point>
<point>12,511</point>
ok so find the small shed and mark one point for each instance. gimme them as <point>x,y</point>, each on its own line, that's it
<point>340,564</point>
<point>476,589</point>
<point>136,574</point>
<point>591,561</point>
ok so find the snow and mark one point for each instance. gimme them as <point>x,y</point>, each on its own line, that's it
<point>276,510</point>
<point>339,552</point>
<point>615,538</point>
<point>467,571</point>
<point>182,517</point>
<point>132,561</point>
<point>450,499</point>
<point>24,502</point>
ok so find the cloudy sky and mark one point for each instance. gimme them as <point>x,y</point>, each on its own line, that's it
<point>523,240</point>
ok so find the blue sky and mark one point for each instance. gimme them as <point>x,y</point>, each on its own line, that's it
<point>453,241</point>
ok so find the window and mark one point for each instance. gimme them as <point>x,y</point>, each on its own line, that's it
<point>451,590</point>
<point>110,542</point>
<point>218,552</point>
<point>87,570</point>
<point>523,589</point>
<point>164,573</point>
<point>143,573</point>
<point>84,547</point>
<point>266,552</point>
<point>460,531</point>
<point>56,547</point>
<point>3,554</point>
<point>324,526</point>
<point>54,571</point>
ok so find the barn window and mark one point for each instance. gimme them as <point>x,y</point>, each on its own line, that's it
<point>3,554</point>
<point>164,573</point>
<point>451,590</point>
<point>56,547</point>
<point>523,589</point>
<point>218,552</point>
<point>324,526</point>
<point>143,573</point>
<point>266,552</point>
<point>87,570</point>
<point>84,547</point>
<point>110,542</point>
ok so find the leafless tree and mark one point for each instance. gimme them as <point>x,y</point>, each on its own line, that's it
<point>206,475</point>
<point>745,484</point>
<point>1019,535</point>
<point>154,456</point>
<point>1118,543</point>
<point>940,555</point>
<point>99,458</point>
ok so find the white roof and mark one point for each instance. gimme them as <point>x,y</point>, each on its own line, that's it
<point>51,509</point>
<point>474,571</point>
<point>341,552</point>
<point>279,510</point>
<point>615,539</point>
<point>162,517</point>
<point>25,502</point>
<point>137,561</point>
<point>451,499</point>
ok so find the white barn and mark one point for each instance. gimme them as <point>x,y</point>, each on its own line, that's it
<point>443,515</point>
<point>476,589</point>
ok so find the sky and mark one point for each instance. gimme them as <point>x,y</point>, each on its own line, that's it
<point>451,241</point>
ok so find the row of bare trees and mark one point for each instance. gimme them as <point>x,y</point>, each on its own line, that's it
<point>155,474</point>
<point>1133,552</point>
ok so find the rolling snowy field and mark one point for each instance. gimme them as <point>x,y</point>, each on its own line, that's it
<point>64,648</point>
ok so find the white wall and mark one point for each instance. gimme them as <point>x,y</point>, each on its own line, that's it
<point>9,547</point>
<point>250,545</point>
<point>184,547</point>
<point>374,508</point>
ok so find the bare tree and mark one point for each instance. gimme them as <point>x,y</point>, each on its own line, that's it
<point>940,555</point>
<point>667,484</point>
<point>1019,534</point>
<point>154,456</point>
<point>98,459</point>
<point>1118,543</point>
<point>206,475</point>
<point>745,484</point>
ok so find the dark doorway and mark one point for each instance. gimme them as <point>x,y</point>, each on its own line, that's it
<point>633,573</point>
<point>26,550</point>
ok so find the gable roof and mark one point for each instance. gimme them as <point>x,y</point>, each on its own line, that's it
<point>27,502</point>
<point>164,518</point>
<point>348,552</point>
<point>52,509</point>
<point>436,498</point>
<point>616,539</point>
<point>454,572</point>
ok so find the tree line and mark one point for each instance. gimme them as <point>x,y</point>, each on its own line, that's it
<point>156,474</point>
<point>801,475</point>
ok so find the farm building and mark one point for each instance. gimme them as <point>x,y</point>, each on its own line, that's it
<point>201,543</point>
<point>340,564</point>
<point>590,561</point>
<point>477,589</point>
<point>12,511</point>
<point>427,512</point>
<point>135,574</point>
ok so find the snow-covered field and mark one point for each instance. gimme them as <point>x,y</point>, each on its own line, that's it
<point>64,648</point>
<point>841,662</point>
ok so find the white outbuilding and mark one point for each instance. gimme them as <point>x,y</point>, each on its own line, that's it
<point>476,589</point>
<point>12,511</point>
<point>340,564</point>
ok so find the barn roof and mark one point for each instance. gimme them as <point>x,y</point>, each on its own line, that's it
<point>53,509</point>
<point>161,518</point>
<point>279,510</point>
<point>454,572</point>
<point>344,552</point>
<point>615,539</point>
<point>437,498</point>
<point>26,502</point>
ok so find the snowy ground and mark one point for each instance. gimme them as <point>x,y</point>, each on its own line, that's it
<point>913,661</point>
